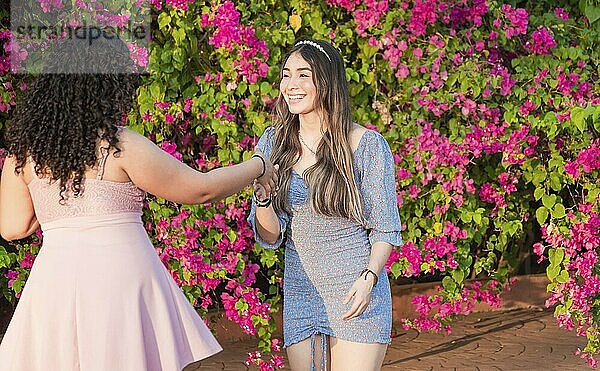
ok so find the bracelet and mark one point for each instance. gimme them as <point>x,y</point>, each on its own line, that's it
<point>263,163</point>
<point>367,270</point>
<point>263,203</point>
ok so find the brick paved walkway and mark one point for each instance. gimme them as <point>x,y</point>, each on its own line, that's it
<point>521,339</point>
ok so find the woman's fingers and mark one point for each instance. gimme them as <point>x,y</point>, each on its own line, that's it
<point>349,295</point>
<point>360,303</point>
<point>351,313</point>
<point>270,180</point>
<point>360,310</point>
<point>355,304</point>
<point>266,184</point>
<point>260,193</point>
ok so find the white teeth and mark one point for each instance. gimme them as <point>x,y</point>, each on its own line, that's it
<point>295,97</point>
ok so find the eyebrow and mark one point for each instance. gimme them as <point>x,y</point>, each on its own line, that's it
<point>299,69</point>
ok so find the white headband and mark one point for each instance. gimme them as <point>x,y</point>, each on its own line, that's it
<point>314,44</point>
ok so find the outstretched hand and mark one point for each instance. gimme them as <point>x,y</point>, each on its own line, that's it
<point>360,293</point>
<point>270,179</point>
<point>260,193</point>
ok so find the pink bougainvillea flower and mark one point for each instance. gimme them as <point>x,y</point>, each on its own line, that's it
<point>541,41</point>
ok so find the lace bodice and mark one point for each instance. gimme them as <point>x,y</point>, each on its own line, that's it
<point>100,197</point>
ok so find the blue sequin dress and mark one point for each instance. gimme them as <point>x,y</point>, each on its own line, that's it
<point>325,255</point>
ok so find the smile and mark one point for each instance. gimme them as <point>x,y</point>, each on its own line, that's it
<point>296,97</point>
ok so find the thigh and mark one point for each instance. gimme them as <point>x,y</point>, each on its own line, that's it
<point>300,354</point>
<point>352,356</point>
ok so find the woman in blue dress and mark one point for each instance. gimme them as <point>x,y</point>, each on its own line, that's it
<point>336,210</point>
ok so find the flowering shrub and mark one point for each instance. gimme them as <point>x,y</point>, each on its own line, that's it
<point>572,240</point>
<point>490,110</point>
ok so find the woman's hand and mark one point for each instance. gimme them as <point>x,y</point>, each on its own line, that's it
<point>360,292</point>
<point>260,193</point>
<point>270,179</point>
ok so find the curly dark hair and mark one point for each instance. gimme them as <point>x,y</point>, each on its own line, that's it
<point>64,116</point>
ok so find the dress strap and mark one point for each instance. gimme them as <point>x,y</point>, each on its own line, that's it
<point>32,166</point>
<point>105,151</point>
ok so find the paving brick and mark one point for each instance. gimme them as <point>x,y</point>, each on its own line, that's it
<point>521,339</point>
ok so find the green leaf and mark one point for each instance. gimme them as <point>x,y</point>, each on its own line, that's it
<point>578,117</point>
<point>231,235</point>
<point>265,87</point>
<point>223,155</point>
<point>273,290</point>
<point>156,91</point>
<point>555,182</point>
<point>396,269</point>
<point>512,227</point>
<point>449,284</point>
<point>538,193</point>
<point>549,200</point>
<point>509,116</point>
<point>559,211</point>
<point>316,23</point>
<point>541,215</point>
<point>241,88</point>
<point>261,331</point>
<point>178,35</point>
<point>458,275</point>
<point>163,20</point>
<point>556,256</point>
<point>466,216</point>
<point>593,194</point>
<point>592,13</point>
<point>241,306</point>
<point>563,276</point>
<point>538,177</point>
<point>553,271</point>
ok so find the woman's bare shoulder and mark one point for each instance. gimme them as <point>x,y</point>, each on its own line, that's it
<point>128,135</point>
<point>356,134</point>
<point>131,141</point>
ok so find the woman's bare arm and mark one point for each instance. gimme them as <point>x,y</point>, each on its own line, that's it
<point>156,172</point>
<point>17,216</point>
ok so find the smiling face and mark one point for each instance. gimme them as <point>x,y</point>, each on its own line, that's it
<point>297,86</point>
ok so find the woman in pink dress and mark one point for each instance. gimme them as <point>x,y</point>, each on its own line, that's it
<point>98,297</point>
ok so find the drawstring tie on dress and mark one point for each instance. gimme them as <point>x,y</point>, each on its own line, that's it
<point>323,349</point>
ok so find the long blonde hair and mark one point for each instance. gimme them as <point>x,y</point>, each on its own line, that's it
<point>332,186</point>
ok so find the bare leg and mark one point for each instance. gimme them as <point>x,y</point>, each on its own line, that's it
<point>299,354</point>
<point>352,356</point>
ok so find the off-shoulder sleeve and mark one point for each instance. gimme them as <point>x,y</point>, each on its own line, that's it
<point>265,144</point>
<point>378,190</point>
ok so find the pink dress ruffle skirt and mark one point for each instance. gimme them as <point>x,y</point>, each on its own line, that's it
<point>98,297</point>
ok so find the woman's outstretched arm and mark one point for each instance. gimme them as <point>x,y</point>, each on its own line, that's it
<point>156,172</point>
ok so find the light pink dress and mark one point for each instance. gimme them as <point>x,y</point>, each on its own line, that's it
<point>98,297</point>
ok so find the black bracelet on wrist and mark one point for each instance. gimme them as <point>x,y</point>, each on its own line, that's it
<point>263,163</point>
<point>263,203</point>
<point>367,271</point>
